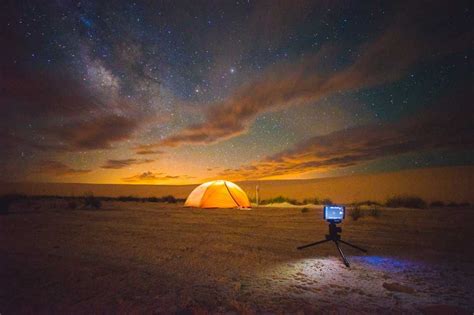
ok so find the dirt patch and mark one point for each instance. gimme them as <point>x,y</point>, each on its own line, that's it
<point>149,257</point>
<point>396,287</point>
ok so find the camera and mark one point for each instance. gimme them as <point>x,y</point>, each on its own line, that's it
<point>334,213</point>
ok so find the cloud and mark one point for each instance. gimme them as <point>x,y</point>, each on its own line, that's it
<point>95,133</point>
<point>146,152</point>
<point>381,61</point>
<point>118,164</point>
<point>151,177</point>
<point>65,113</point>
<point>431,129</point>
<point>55,168</point>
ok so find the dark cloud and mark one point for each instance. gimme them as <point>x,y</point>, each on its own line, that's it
<point>96,133</point>
<point>434,128</point>
<point>117,164</point>
<point>63,114</point>
<point>384,60</point>
<point>58,169</point>
<point>147,150</point>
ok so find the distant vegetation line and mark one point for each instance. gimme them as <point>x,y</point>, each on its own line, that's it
<point>89,201</point>
<point>392,202</point>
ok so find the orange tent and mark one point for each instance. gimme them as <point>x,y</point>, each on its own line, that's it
<point>218,194</point>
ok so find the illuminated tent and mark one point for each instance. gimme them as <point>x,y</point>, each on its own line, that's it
<point>218,194</point>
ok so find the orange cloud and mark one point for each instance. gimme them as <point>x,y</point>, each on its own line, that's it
<point>148,151</point>
<point>151,177</point>
<point>118,164</point>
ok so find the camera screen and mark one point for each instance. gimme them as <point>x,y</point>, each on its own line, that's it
<point>334,212</point>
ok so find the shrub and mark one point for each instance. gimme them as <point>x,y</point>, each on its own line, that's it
<point>406,202</point>
<point>169,199</point>
<point>7,200</point>
<point>461,204</point>
<point>326,201</point>
<point>374,212</point>
<point>437,204</point>
<point>314,201</point>
<point>72,204</point>
<point>367,203</point>
<point>90,201</point>
<point>5,203</point>
<point>278,199</point>
<point>128,198</point>
<point>304,210</point>
<point>356,213</point>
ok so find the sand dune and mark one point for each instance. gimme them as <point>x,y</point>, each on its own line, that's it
<point>443,183</point>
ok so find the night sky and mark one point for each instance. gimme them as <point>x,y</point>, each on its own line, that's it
<point>172,92</point>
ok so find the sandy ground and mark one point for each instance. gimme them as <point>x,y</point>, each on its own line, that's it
<point>158,258</point>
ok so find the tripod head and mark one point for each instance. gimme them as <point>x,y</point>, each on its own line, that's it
<point>334,230</point>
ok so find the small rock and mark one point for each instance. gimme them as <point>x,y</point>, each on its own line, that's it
<point>396,287</point>
<point>237,286</point>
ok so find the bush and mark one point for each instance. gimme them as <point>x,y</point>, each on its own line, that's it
<point>374,212</point>
<point>326,201</point>
<point>367,203</point>
<point>304,210</point>
<point>356,213</point>
<point>169,199</point>
<point>90,201</point>
<point>406,202</point>
<point>461,204</point>
<point>128,198</point>
<point>314,201</point>
<point>72,204</point>
<point>437,204</point>
<point>5,203</point>
<point>7,200</point>
<point>279,199</point>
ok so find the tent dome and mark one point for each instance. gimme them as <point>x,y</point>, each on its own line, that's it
<point>218,194</point>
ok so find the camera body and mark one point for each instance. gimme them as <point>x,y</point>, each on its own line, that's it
<point>334,213</point>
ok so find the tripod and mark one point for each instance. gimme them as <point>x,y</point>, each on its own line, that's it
<point>336,238</point>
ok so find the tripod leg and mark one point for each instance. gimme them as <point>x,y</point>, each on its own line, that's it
<point>352,245</point>
<point>313,244</point>
<point>346,262</point>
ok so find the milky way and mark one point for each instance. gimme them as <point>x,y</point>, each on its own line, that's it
<point>183,91</point>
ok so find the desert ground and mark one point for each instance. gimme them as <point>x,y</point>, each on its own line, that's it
<point>134,257</point>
